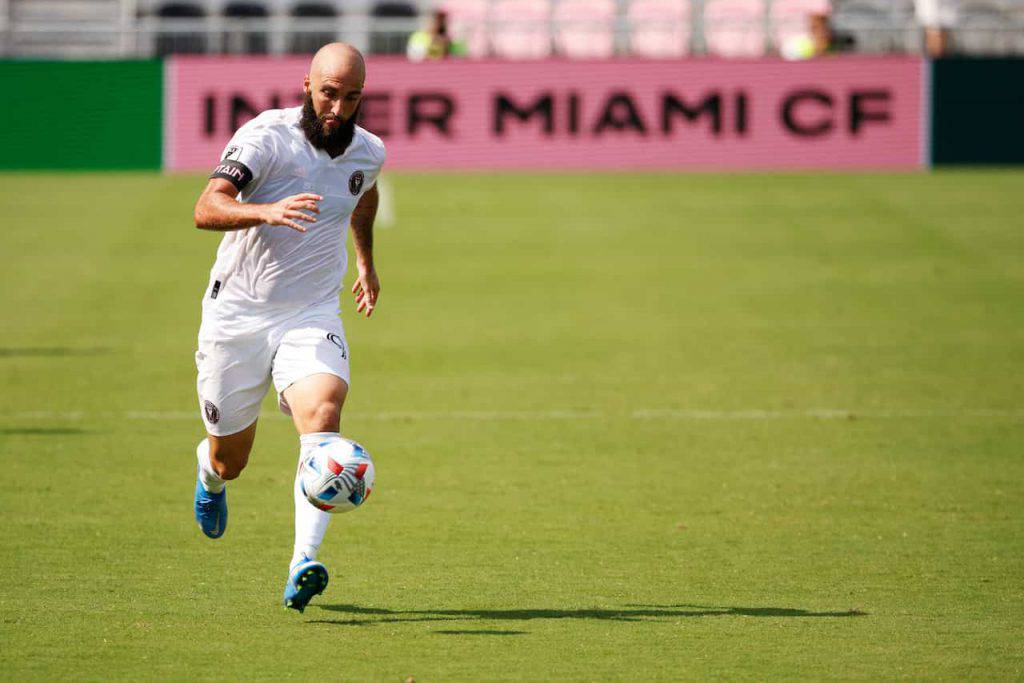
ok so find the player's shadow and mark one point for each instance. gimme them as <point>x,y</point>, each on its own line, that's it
<point>41,431</point>
<point>368,616</point>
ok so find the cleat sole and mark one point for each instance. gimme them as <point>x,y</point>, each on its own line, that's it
<point>309,583</point>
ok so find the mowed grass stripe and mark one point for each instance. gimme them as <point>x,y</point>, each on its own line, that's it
<point>639,414</point>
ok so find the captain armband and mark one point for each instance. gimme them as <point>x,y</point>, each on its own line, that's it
<point>237,173</point>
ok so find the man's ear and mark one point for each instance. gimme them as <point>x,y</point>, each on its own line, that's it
<point>305,84</point>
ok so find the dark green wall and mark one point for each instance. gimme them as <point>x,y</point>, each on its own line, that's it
<point>80,115</point>
<point>978,111</point>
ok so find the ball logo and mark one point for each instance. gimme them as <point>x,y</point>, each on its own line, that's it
<point>211,412</point>
<point>355,182</point>
<point>336,340</point>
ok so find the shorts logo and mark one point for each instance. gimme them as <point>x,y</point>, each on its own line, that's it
<point>211,412</point>
<point>336,340</point>
<point>355,182</point>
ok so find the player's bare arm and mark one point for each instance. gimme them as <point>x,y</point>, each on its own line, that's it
<point>217,209</point>
<point>367,285</point>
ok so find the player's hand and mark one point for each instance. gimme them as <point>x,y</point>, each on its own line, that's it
<point>291,209</point>
<point>367,289</point>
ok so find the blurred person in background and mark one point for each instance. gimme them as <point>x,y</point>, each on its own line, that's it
<point>433,42</point>
<point>935,18</point>
<point>821,39</point>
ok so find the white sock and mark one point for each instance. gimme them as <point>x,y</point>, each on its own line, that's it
<point>310,523</point>
<point>211,481</point>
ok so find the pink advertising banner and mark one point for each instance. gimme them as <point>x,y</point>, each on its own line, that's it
<point>856,112</point>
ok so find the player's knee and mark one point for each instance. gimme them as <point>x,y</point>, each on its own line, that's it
<point>326,417</point>
<point>229,462</point>
<point>227,469</point>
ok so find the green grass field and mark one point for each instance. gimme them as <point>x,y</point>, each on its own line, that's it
<point>627,427</point>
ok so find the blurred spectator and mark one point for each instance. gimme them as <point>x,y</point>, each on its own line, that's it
<point>791,28</point>
<point>821,39</point>
<point>432,42</point>
<point>467,25</point>
<point>936,17</point>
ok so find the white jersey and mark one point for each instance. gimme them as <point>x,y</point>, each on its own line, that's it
<point>267,272</point>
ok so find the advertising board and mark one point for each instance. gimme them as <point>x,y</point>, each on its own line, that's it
<point>856,112</point>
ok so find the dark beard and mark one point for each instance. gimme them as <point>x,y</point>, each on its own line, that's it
<point>334,143</point>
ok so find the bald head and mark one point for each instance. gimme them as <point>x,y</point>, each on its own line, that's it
<point>338,61</point>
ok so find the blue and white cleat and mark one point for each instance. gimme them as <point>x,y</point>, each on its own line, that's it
<point>211,510</point>
<point>305,580</point>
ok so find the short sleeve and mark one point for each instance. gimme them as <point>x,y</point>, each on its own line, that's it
<point>379,155</point>
<point>244,159</point>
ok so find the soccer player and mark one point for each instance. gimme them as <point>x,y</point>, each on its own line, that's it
<point>287,184</point>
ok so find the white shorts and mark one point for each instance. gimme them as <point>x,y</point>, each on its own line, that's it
<point>235,372</point>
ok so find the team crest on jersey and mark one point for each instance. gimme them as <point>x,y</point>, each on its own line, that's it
<point>211,412</point>
<point>355,182</point>
<point>231,151</point>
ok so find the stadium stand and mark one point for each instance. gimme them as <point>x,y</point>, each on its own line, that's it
<point>790,19</point>
<point>659,28</point>
<point>734,28</point>
<point>389,36</point>
<point>512,29</point>
<point>172,41</point>
<point>77,28</point>
<point>585,29</point>
<point>985,27</point>
<point>468,21</point>
<point>314,17</point>
<point>521,29</point>
<point>245,37</point>
<point>877,26</point>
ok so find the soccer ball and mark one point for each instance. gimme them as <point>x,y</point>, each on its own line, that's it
<point>337,476</point>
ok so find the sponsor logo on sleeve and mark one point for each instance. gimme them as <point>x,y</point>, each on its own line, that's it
<point>355,182</point>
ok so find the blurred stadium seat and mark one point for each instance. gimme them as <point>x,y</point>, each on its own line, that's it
<point>81,29</point>
<point>181,41</point>
<point>877,26</point>
<point>521,29</point>
<point>984,27</point>
<point>467,20</point>
<point>391,27</point>
<point>659,28</point>
<point>585,29</point>
<point>315,17</point>
<point>734,28</point>
<point>245,40</point>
